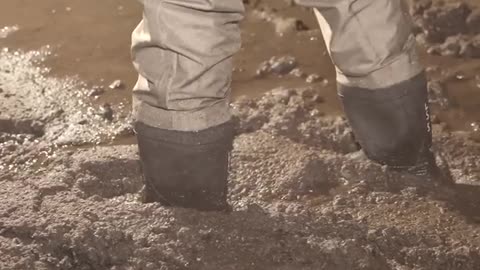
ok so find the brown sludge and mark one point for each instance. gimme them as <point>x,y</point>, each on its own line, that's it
<point>303,197</point>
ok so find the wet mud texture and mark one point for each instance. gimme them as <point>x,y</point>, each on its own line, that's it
<point>450,28</point>
<point>303,197</point>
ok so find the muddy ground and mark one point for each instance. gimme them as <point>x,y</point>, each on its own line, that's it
<point>303,195</point>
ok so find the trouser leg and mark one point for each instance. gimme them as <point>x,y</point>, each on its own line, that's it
<point>370,41</point>
<point>183,52</point>
<point>380,81</point>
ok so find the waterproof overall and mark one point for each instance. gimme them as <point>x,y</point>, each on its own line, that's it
<point>183,52</point>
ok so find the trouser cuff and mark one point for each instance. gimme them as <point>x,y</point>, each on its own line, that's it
<point>403,68</point>
<point>214,115</point>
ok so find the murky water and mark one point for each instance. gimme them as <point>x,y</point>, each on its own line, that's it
<point>91,39</point>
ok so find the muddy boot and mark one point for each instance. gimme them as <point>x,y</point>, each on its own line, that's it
<point>186,169</point>
<point>393,127</point>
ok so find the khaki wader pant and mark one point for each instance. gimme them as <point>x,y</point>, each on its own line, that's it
<point>183,52</point>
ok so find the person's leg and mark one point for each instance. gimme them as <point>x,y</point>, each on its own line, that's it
<point>183,52</point>
<point>380,81</point>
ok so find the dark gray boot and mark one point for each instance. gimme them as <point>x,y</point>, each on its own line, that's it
<point>392,125</point>
<point>186,169</point>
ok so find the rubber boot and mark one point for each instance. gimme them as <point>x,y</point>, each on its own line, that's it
<point>392,125</point>
<point>186,169</point>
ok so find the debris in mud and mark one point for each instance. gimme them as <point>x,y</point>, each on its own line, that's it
<point>277,65</point>
<point>451,29</point>
<point>297,72</point>
<point>7,30</point>
<point>117,84</point>
<point>96,91</point>
<point>106,112</point>
<point>288,25</point>
<point>313,78</point>
<point>460,76</point>
<point>475,131</point>
<point>458,46</point>
<point>325,82</point>
<point>282,25</point>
